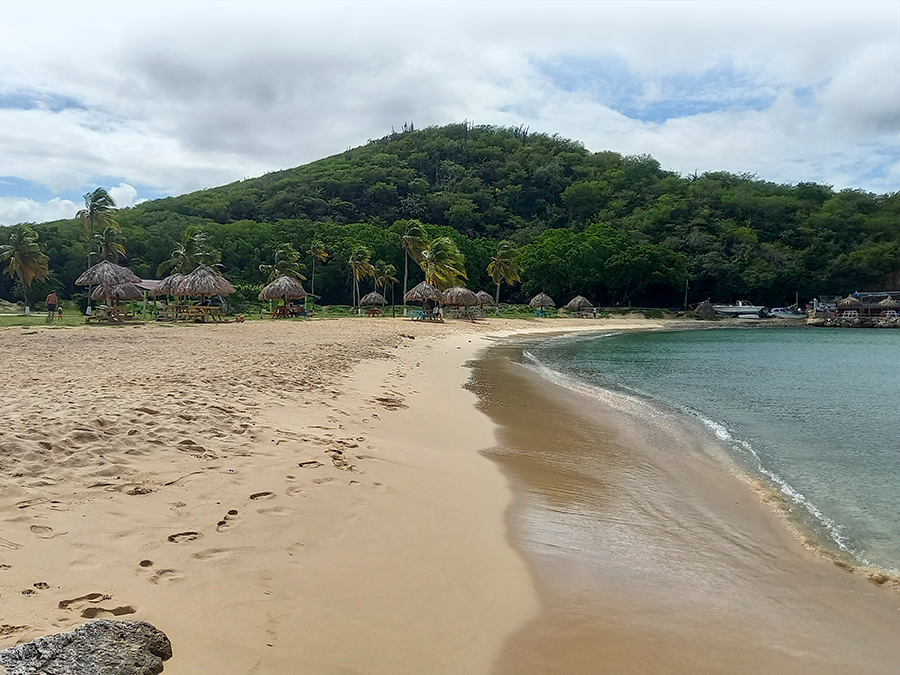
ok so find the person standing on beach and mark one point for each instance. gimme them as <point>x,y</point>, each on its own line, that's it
<point>52,304</point>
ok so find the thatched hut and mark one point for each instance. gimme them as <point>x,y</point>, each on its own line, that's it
<point>484,298</point>
<point>541,301</point>
<point>424,292</point>
<point>889,303</point>
<point>373,298</point>
<point>107,275</point>
<point>285,288</point>
<point>850,302</point>
<point>168,285</point>
<point>579,303</point>
<point>127,291</point>
<point>459,296</point>
<point>204,281</point>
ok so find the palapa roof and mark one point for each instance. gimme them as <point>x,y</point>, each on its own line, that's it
<point>579,302</point>
<point>850,301</point>
<point>423,292</point>
<point>204,281</point>
<point>484,298</point>
<point>889,302</point>
<point>168,285</point>
<point>283,287</point>
<point>126,291</point>
<point>542,300</point>
<point>106,273</point>
<point>458,296</point>
<point>373,298</point>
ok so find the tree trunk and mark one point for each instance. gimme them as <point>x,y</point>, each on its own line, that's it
<point>312,286</point>
<point>497,296</point>
<point>405,276</point>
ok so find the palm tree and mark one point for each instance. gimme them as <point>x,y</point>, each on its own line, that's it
<point>109,245</point>
<point>412,242</point>
<point>318,252</point>
<point>360,263</point>
<point>443,264</point>
<point>26,258</point>
<point>189,254</point>
<point>504,267</point>
<point>99,209</point>
<point>287,263</point>
<point>385,274</point>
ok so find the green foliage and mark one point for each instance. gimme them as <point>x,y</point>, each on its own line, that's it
<point>24,258</point>
<point>611,227</point>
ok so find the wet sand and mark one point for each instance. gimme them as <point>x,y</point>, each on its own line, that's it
<point>650,556</point>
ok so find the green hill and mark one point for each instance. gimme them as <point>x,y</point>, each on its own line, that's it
<point>614,228</point>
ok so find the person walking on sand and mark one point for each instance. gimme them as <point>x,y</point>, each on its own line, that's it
<point>52,304</point>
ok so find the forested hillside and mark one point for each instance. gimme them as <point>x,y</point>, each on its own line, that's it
<point>614,228</point>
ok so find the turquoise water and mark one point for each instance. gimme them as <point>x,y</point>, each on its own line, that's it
<point>814,412</point>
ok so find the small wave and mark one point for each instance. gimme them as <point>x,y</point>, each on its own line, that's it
<point>739,448</point>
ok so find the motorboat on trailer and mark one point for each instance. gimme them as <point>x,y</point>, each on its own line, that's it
<point>741,310</point>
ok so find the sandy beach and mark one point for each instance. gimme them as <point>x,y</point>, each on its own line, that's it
<point>325,497</point>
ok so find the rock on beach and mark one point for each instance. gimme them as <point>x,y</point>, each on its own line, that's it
<point>101,647</point>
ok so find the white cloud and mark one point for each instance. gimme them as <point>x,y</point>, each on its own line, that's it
<point>15,210</point>
<point>178,96</point>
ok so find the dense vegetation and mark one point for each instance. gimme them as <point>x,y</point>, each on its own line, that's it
<point>617,229</point>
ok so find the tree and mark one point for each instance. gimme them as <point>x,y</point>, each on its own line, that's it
<point>443,264</point>
<point>318,253</point>
<point>503,267</point>
<point>25,257</point>
<point>287,263</point>
<point>360,263</point>
<point>99,209</point>
<point>189,254</point>
<point>385,274</point>
<point>413,242</point>
<point>109,245</point>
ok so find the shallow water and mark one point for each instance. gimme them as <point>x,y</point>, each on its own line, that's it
<point>811,411</point>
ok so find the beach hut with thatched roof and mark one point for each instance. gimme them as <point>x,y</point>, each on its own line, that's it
<point>203,281</point>
<point>126,291</point>
<point>542,302</point>
<point>107,275</point>
<point>373,298</point>
<point>285,288</point>
<point>423,293</point>
<point>580,305</point>
<point>484,298</point>
<point>850,307</point>
<point>167,286</point>
<point>458,296</point>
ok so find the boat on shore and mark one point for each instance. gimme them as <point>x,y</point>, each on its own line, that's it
<point>741,310</point>
<point>786,313</point>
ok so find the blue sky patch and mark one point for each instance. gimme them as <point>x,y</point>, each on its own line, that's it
<point>33,100</point>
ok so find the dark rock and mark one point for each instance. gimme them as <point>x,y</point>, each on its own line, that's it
<point>100,647</point>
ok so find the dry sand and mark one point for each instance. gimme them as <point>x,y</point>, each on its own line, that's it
<point>276,497</point>
<point>309,497</point>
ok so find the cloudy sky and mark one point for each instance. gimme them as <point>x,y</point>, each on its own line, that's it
<point>161,98</point>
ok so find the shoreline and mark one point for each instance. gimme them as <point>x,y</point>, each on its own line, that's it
<point>650,556</point>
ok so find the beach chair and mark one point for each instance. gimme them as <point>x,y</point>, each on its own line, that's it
<point>418,315</point>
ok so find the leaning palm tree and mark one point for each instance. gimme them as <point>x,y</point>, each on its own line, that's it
<point>443,263</point>
<point>360,263</point>
<point>287,264</point>
<point>412,242</point>
<point>385,274</point>
<point>109,245</point>
<point>26,258</point>
<point>503,267</point>
<point>99,211</point>
<point>189,254</point>
<point>318,253</point>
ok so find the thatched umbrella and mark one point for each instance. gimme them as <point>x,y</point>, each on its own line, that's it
<point>204,281</point>
<point>373,298</point>
<point>107,275</point>
<point>126,291</point>
<point>889,303</point>
<point>542,300</point>
<point>422,293</point>
<point>484,298</point>
<point>283,287</point>
<point>460,297</point>
<point>850,303</point>
<point>579,302</point>
<point>167,286</point>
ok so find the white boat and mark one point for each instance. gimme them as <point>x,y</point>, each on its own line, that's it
<point>741,309</point>
<point>786,313</point>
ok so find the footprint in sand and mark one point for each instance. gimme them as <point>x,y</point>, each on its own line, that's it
<point>41,585</point>
<point>262,495</point>
<point>83,601</point>
<point>5,567</point>
<point>6,543</point>
<point>211,553</point>
<point>94,612</point>
<point>184,536</point>
<point>225,523</point>
<point>311,464</point>
<point>45,532</point>
<point>273,511</point>
<point>146,563</point>
<point>322,481</point>
<point>295,491</point>
<point>164,576</point>
<point>29,591</point>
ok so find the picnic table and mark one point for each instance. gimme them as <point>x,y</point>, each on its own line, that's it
<point>373,311</point>
<point>200,313</point>
<point>110,315</point>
